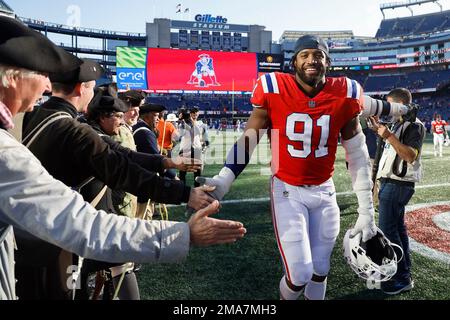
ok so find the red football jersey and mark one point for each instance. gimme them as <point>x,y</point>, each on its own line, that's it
<point>304,130</point>
<point>439,126</point>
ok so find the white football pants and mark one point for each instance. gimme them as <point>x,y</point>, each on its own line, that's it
<point>306,222</point>
<point>438,140</point>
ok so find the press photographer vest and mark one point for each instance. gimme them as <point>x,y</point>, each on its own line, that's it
<point>7,278</point>
<point>393,167</point>
<point>191,140</point>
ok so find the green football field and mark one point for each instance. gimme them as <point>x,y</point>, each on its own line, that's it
<point>251,268</point>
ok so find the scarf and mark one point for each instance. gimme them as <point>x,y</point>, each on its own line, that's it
<point>6,120</point>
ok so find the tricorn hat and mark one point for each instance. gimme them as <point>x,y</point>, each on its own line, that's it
<point>133,97</point>
<point>88,71</point>
<point>151,107</point>
<point>105,100</point>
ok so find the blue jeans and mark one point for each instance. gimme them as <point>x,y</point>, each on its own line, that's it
<point>392,201</point>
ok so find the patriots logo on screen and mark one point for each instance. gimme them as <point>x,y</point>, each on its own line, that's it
<point>204,75</point>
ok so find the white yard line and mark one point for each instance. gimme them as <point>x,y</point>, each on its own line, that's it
<point>427,186</point>
<point>339,194</point>
<point>429,252</point>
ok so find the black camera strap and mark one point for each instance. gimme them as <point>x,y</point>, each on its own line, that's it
<point>397,160</point>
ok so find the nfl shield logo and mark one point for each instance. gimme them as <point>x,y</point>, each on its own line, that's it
<point>312,104</point>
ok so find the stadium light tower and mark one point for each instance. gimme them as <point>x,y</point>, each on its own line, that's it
<point>406,4</point>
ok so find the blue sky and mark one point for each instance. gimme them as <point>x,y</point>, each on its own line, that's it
<point>362,17</point>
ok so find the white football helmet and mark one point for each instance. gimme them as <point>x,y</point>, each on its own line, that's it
<point>374,260</point>
<point>447,142</point>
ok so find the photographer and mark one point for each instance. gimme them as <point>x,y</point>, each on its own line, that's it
<point>183,115</point>
<point>400,168</point>
<point>203,129</point>
<point>191,145</point>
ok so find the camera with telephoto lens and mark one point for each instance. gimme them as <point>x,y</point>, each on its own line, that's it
<point>411,115</point>
<point>380,108</point>
<point>185,114</point>
<point>389,112</point>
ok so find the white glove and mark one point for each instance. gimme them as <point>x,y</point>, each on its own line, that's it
<point>366,225</point>
<point>222,182</point>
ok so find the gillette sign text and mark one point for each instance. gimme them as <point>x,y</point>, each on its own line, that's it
<point>207,18</point>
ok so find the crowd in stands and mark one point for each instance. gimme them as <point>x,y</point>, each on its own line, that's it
<point>213,103</point>
<point>413,81</point>
<point>431,104</point>
<point>414,25</point>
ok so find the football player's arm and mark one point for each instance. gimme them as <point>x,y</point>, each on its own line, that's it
<point>256,125</point>
<point>358,160</point>
<point>239,156</point>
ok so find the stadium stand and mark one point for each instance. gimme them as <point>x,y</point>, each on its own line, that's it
<point>214,103</point>
<point>414,81</point>
<point>5,9</point>
<point>415,25</point>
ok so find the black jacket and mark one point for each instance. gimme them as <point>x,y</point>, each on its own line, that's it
<point>145,138</point>
<point>73,152</point>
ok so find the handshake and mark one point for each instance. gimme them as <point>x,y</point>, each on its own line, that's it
<point>218,186</point>
<point>204,201</point>
<point>213,189</point>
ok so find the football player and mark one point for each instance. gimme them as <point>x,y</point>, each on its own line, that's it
<point>439,133</point>
<point>306,113</point>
